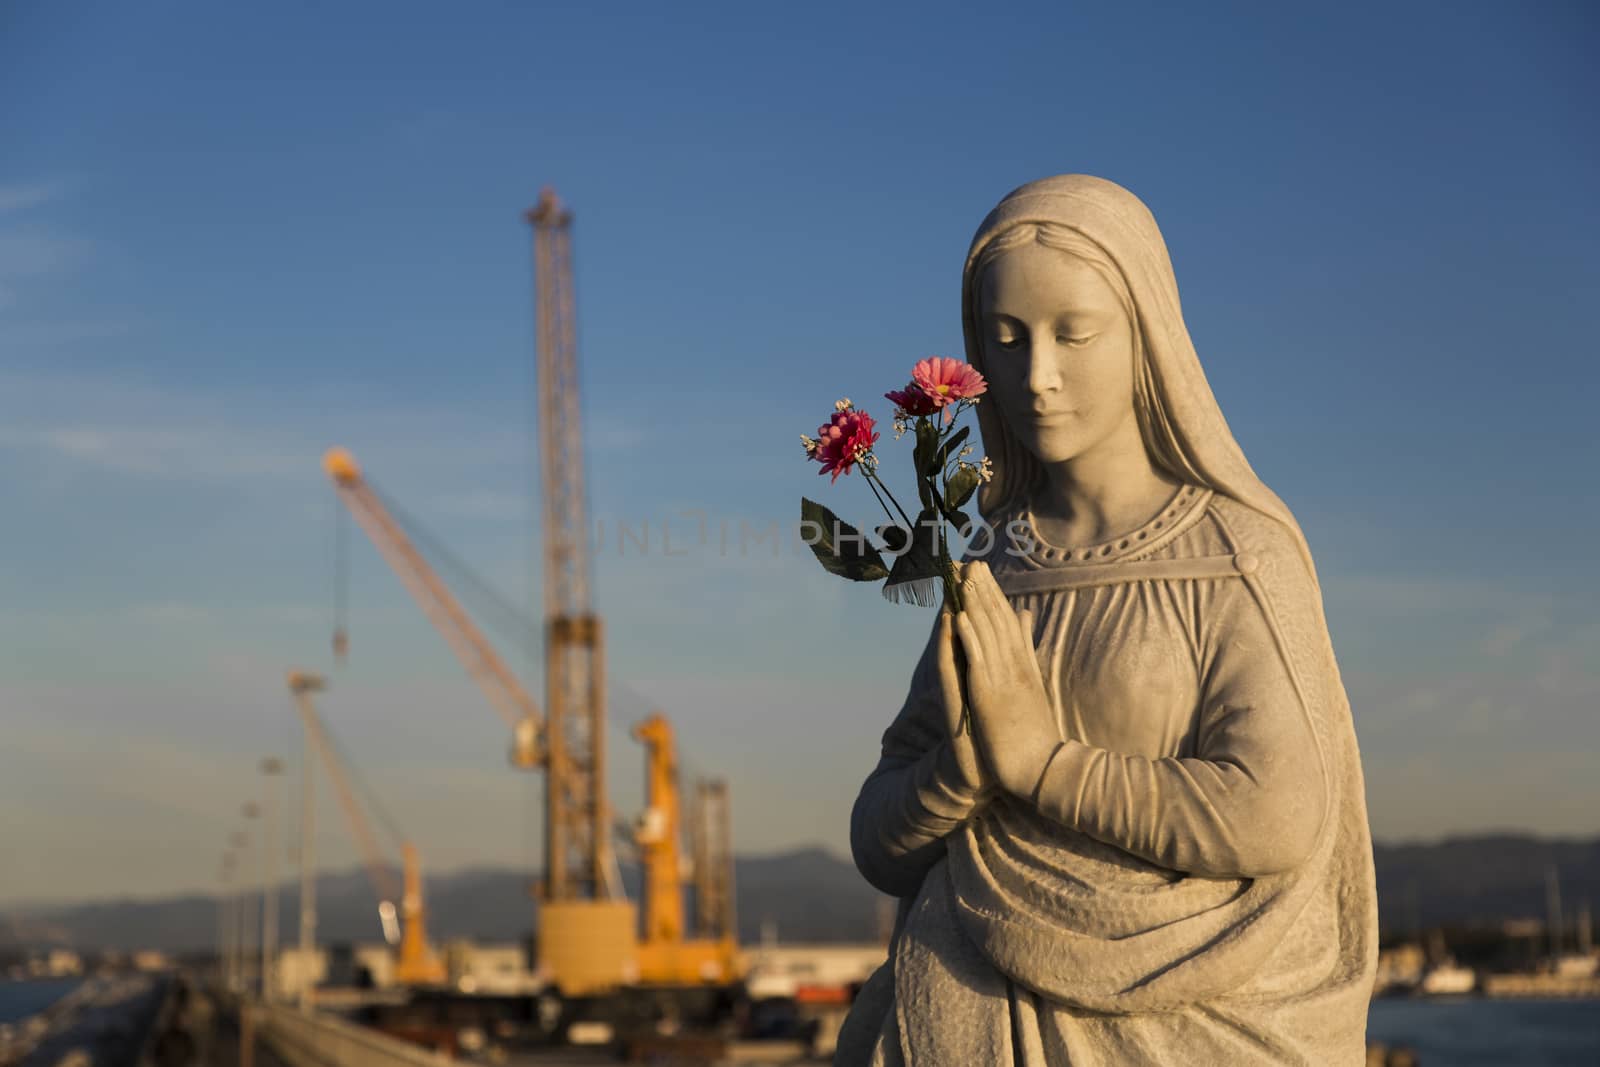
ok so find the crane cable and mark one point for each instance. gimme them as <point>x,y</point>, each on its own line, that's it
<point>495,611</point>
<point>341,581</point>
<point>465,582</point>
<point>375,806</point>
<point>488,606</point>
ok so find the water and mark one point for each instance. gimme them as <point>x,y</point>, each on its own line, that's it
<point>18,1000</point>
<point>1470,1032</point>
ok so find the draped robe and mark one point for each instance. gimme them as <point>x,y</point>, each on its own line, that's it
<point>1192,882</point>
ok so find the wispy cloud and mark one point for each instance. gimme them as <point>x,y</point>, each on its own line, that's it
<point>1512,634</point>
<point>18,197</point>
<point>30,250</point>
<point>611,434</point>
<point>426,127</point>
<point>140,429</point>
<point>20,335</point>
<point>180,452</point>
<point>161,612</point>
<point>484,504</point>
<point>30,255</point>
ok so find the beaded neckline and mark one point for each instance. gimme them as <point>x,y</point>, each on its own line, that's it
<point>1177,507</point>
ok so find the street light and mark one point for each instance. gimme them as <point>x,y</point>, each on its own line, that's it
<point>241,843</point>
<point>302,684</point>
<point>225,923</point>
<point>271,768</point>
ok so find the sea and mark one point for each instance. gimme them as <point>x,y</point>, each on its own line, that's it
<point>18,1000</point>
<point>1473,1032</point>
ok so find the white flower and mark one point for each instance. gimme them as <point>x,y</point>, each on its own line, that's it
<point>842,405</point>
<point>810,445</point>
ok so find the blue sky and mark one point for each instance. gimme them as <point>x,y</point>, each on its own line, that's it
<point>231,238</point>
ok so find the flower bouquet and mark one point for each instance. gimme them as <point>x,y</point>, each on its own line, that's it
<point>940,389</point>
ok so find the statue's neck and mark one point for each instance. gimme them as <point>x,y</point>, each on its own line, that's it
<point>1105,492</point>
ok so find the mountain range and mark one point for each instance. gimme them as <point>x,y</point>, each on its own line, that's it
<point>806,895</point>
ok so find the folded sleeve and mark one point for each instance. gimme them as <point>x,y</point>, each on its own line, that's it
<point>910,801</point>
<point>1252,799</point>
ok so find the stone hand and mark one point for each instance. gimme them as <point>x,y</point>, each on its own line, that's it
<point>972,776</point>
<point>1011,714</point>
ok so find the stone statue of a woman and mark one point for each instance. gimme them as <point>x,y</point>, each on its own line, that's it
<point>1151,847</point>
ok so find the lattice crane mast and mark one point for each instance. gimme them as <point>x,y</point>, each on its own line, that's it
<point>577,829</point>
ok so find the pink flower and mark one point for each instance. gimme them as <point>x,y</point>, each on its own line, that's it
<point>843,441</point>
<point>947,380</point>
<point>912,401</point>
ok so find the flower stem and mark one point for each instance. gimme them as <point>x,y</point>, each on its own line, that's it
<point>873,478</point>
<point>875,493</point>
<point>947,571</point>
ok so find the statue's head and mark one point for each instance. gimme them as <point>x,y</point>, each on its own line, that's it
<point>1070,309</point>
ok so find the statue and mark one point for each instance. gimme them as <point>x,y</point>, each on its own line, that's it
<point>1151,846</point>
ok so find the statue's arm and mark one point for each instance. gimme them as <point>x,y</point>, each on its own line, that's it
<point>1250,802</point>
<point>913,798</point>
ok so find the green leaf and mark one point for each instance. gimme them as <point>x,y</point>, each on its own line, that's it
<point>961,486</point>
<point>948,447</point>
<point>916,576</point>
<point>955,518</point>
<point>895,537</point>
<point>840,547</point>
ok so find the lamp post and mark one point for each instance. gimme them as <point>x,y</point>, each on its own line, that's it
<point>241,843</point>
<point>271,769</point>
<point>225,923</point>
<point>251,812</point>
<point>302,685</point>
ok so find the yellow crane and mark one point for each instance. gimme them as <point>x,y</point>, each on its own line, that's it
<point>417,963</point>
<point>666,950</point>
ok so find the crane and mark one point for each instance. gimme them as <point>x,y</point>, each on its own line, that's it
<point>417,964</point>
<point>577,841</point>
<point>665,949</point>
<point>587,939</point>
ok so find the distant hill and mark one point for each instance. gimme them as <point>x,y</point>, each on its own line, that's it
<point>806,895</point>
<point>811,895</point>
<point>1469,880</point>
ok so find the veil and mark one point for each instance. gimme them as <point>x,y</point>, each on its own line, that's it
<point>1183,426</point>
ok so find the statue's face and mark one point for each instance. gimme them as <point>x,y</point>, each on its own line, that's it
<point>1058,351</point>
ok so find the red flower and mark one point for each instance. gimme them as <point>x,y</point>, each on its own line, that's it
<point>912,401</point>
<point>946,380</point>
<point>843,442</point>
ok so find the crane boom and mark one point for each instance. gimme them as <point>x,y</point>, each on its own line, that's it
<point>371,855</point>
<point>417,964</point>
<point>474,651</point>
